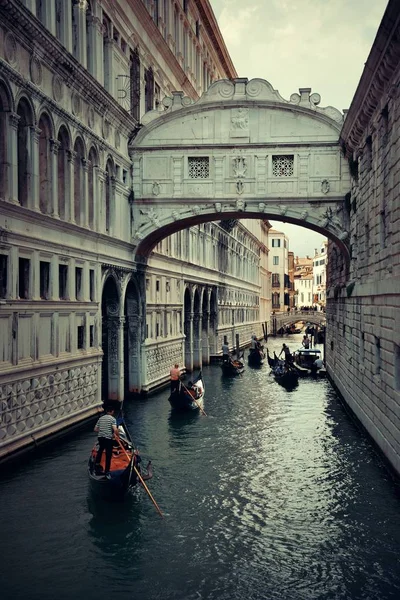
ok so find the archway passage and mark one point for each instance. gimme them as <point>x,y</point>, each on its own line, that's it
<point>241,151</point>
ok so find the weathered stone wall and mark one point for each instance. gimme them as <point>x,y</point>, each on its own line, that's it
<point>363,312</point>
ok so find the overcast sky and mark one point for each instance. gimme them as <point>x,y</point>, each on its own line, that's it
<point>321,44</point>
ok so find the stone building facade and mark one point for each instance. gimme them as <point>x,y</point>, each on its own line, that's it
<point>78,321</point>
<point>363,309</point>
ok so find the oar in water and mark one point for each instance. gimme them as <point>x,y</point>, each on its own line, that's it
<point>198,403</point>
<point>132,458</point>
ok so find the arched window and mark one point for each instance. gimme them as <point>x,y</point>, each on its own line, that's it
<point>45,163</point>
<point>135,84</point>
<point>63,171</point>
<point>89,39</point>
<point>78,182</point>
<point>93,162</point>
<point>24,164</point>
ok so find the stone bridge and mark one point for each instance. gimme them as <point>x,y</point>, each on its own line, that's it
<point>240,151</point>
<point>284,319</point>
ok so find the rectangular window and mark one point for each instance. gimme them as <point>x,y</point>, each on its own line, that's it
<point>275,280</point>
<point>44,280</point>
<point>283,166</point>
<point>63,282</point>
<point>91,336</point>
<point>81,337</point>
<point>275,260</point>
<point>91,285</point>
<point>276,243</point>
<point>24,278</point>
<point>3,275</point>
<point>157,285</point>
<point>78,283</point>
<point>199,167</point>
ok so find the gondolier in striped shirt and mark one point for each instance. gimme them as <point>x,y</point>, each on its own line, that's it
<point>106,428</point>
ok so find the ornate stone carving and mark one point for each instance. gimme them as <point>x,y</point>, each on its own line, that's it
<point>304,215</point>
<point>35,69</point>
<point>58,88</point>
<point>76,104</point>
<point>240,186</point>
<point>91,117</point>
<point>10,48</point>
<point>283,209</point>
<point>196,209</point>
<point>239,166</point>
<point>155,190</point>
<point>240,204</point>
<point>106,128</point>
<point>261,206</point>
<point>117,139</point>
<point>325,186</point>
<point>218,206</point>
<point>240,119</point>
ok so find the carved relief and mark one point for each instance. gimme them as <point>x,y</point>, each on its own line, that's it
<point>35,69</point>
<point>91,117</point>
<point>325,186</point>
<point>10,48</point>
<point>240,119</point>
<point>239,166</point>
<point>58,88</point>
<point>155,190</point>
<point>76,104</point>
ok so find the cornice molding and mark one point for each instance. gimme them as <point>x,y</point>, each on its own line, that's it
<point>33,36</point>
<point>376,79</point>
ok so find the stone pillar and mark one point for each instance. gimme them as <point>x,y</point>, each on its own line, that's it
<point>66,23</point>
<point>189,342</point>
<point>54,278</point>
<point>11,193</point>
<point>133,357</point>
<point>33,188</point>
<point>35,274</point>
<point>113,185</point>
<point>100,208</point>
<point>197,342</point>
<point>80,8</point>
<point>49,15</point>
<point>205,342</point>
<point>54,148</point>
<point>85,194</point>
<point>69,193</point>
<point>115,330</point>
<point>108,70</point>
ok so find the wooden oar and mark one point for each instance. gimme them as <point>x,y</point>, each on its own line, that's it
<point>131,459</point>
<point>198,404</point>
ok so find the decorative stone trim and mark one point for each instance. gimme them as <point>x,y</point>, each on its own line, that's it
<point>58,88</point>
<point>35,68</point>
<point>76,104</point>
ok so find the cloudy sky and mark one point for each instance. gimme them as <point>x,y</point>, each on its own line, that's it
<point>321,44</point>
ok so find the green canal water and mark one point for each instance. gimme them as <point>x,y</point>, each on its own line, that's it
<point>274,495</point>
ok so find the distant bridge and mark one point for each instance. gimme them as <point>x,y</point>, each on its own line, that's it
<point>285,319</point>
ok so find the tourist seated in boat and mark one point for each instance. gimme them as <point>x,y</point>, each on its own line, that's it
<point>317,365</point>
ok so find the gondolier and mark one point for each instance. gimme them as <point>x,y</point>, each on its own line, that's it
<point>106,428</point>
<point>175,376</point>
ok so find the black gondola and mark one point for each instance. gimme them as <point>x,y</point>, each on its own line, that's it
<point>271,361</point>
<point>233,366</point>
<point>285,374</point>
<point>189,397</point>
<point>125,469</point>
<point>256,356</point>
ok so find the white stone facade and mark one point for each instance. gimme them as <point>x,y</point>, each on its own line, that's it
<point>363,316</point>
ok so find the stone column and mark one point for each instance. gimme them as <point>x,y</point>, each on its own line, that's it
<point>69,193</point>
<point>113,185</point>
<point>11,193</point>
<point>49,15</point>
<point>115,330</point>
<point>188,326</point>
<point>80,8</point>
<point>35,274</point>
<point>133,358</point>
<point>100,209</point>
<point>205,343</point>
<point>54,148</point>
<point>108,70</point>
<point>54,278</point>
<point>85,194</point>
<point>66,24</point>
<point>33,188</point>
<point>197,342</point>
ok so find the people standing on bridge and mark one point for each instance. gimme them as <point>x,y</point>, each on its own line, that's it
<point>175,376</point>
<point>106,428</point>
<point>225,352</point>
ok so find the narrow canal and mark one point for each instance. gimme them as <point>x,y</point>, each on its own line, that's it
<point>274,495</point>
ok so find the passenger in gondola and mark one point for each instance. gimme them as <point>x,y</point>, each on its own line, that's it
<point>106,428</point>
<point>175,376</point>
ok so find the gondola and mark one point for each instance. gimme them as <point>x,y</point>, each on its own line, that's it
<point>125,469</point>
<point>189,397</point>
<point>233,366</point>
<point>285,374</point>
<point>256,356</point>
<point>304,362</point>
<point>271,361</point>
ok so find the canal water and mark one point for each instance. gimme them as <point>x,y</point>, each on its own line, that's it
<point>274,495</point>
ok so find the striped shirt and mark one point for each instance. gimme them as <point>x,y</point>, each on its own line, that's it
<point>105,425</point>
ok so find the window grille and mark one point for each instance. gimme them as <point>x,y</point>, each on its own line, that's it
<point>199,167</point>
<point>282,166</point>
